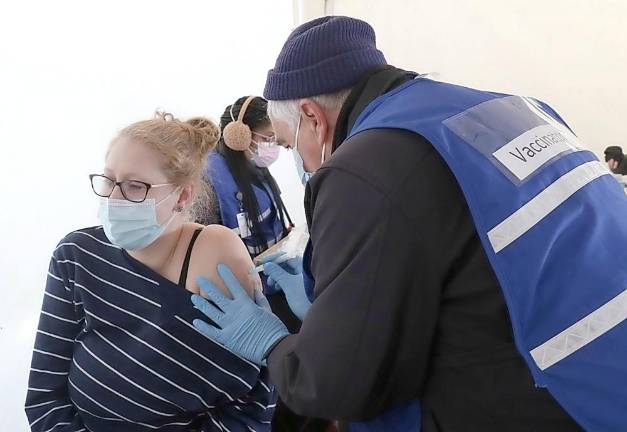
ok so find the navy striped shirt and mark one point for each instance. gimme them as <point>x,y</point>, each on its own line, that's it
<point>116,351</point>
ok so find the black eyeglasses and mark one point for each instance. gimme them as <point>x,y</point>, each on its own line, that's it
<point>132,190</point>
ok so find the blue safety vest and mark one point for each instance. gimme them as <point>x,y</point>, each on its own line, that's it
<point>230,205</point>
<point>553,223</point>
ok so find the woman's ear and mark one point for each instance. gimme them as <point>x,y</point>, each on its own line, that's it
<point>185,198</point>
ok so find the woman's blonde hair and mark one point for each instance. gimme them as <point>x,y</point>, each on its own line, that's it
<point>184,146</point>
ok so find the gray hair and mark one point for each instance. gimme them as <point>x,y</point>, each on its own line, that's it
<point>288,111</point>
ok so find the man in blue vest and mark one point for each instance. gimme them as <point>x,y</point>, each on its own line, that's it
<point>462,277</point>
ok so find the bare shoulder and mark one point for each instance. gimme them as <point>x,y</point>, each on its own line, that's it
<point>219,233</point>
<point>215,245</point>
<point>221,244</point>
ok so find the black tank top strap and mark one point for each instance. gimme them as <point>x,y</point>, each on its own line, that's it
<point>188,256</point>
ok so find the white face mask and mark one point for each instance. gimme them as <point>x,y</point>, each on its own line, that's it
<point>132,226</point>
<point>304,176</point>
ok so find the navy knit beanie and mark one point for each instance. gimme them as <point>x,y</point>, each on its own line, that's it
<point>323,56</point>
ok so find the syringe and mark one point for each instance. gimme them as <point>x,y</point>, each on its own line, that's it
<point>279,260</point>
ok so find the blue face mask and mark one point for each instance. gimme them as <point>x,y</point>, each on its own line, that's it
<point>132,226</point>
<point>304,176</point>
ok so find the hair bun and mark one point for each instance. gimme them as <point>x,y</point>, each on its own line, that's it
<point>205,134</point>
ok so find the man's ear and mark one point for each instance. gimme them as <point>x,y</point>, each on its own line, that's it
<point>315,118</point>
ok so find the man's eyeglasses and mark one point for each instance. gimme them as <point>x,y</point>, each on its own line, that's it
<point>132,190</point>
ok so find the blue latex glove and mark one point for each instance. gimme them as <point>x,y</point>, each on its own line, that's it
<point>269,287</point>
<point>293,265</point>
<point>246,327</point>
<point>272,257</point>
<point>288,276</point>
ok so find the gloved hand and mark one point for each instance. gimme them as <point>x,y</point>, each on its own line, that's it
<point>269,288</point>
<point>289,277</point>
<point>292,265</point>
<point>247,328</point>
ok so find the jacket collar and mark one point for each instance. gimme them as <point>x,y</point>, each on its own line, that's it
<point>378,82</point>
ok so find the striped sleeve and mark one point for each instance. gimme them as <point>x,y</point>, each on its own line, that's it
<point>48,406</point>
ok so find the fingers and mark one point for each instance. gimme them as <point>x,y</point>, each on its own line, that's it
<point>208,330</point>
<point>212,292</point>
<point>272,257</point>
<point>261,300</point>
<point>213,313</point>
<point>231,282</point>
<point>295,265</point>
<point>274,271</point>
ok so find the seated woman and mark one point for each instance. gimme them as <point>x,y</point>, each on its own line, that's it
<point>116,349</point>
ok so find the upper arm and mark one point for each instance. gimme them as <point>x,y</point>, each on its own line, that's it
<point>59,324</point>
<point>219,245</point>
<point>47,402</point>
<point>331,366</point>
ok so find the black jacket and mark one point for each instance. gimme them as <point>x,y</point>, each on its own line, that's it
<point>407,304</point>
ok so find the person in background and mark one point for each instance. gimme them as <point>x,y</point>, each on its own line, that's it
<point>237,171</point>
<point>616,160</point>
<point>243,185</point>
<point>115,346</point>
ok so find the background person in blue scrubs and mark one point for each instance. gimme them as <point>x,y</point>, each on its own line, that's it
<point>243,185</point>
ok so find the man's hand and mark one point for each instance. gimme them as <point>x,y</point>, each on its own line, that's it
<point>246,327</point>
<point>288,276</point>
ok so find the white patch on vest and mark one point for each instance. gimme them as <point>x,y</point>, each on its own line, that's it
<point>584,331</point>
<point>529,151</point>
<point>526,217</point>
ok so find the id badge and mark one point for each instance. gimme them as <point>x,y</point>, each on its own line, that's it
<point>242,225</point>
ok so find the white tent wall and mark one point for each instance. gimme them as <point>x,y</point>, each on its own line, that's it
<point>568,53</point>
